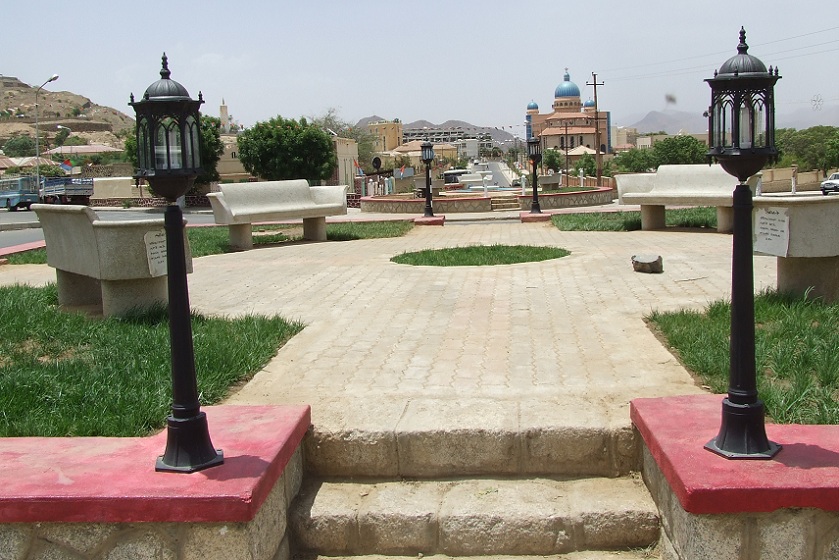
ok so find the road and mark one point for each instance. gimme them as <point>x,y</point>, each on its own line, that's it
<point>29,232</point>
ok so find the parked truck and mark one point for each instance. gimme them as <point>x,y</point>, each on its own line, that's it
<point>63,190</point>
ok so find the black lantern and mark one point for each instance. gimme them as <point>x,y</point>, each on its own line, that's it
<point>741,137</point>
<point>427,158</point>
<point>534,152</point>
<point>169,157</point>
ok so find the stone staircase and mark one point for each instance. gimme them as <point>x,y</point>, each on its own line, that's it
<point>568,491</point>
<point>504,203</point>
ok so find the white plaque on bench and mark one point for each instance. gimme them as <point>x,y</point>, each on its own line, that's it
<point>156,252</point>
<point>772,231</point>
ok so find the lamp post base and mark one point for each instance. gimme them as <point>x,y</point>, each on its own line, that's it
<point>742,434</point>
<point>535,208</point>
<point>188,446</point>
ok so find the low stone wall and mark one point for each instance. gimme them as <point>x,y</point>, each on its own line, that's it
<point>713,508</point>
<point>100,498</point>
<point>555,201</point>
<point>785,534</point>
<point>393,205</point>
<point>263,538</point>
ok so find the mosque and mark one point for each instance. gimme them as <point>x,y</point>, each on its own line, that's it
<point>571,126</point>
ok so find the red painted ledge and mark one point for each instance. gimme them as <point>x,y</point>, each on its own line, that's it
<point>112,480</point>
<point>527,217</point>
<point>804,474</point>
<point>430,221</point>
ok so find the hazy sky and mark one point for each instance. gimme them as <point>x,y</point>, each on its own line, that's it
<point>478,61</point>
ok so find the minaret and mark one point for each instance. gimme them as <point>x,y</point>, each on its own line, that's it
<point>224,117</point>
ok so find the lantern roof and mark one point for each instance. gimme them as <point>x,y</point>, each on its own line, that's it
<point>166,87</point>
<point>742,63</point>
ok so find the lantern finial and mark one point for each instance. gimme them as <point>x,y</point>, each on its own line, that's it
<point>742,48</point>
<point>164,72</point>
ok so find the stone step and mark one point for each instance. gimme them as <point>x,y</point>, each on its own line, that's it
<point>473,517</point>
<point>639,554</point>
<point>427,438</point>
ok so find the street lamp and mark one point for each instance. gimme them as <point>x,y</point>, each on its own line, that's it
<point>427,158</point>
<point>534,152</point>
<point>741,137</point>
<point>52,78</point>
<point>169,158</point>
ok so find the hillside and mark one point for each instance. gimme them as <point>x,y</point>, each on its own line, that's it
<point>95,123</point>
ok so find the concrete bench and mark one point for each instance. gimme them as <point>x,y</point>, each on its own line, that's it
<point>113,266</point>
<point>680,185</point>
<point>241,204</point>
<point>800,230</point>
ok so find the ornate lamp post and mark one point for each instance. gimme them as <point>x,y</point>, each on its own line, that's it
<point>741,137</point>
<point>427,158</point>
<point>169,157</point>
<point>52,78</point>
<point>534,152</point>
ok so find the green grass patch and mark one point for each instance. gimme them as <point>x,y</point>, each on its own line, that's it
<point>206,241</point>
<point>702,217</point>
<point>797,362</point>
<point>64,374</point>
<point>480,255</point>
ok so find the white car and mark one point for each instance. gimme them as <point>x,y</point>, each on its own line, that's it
<point>831,184</point>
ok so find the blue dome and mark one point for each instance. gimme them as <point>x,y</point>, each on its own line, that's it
<point>532,106</point>
<point>589,103</point>
<point>567,88</point>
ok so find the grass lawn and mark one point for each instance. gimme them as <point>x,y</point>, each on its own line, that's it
<point>63,374</point>
<point>480,255</point>
<point>702,217</point>
<point>796,342</point>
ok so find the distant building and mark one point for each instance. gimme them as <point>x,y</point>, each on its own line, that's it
<point>449,135</point>
<point>387,135</point>
<point>571,124</point>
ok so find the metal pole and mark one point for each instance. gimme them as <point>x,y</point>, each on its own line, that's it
<point>429,212</point>
<point>742,433</point>
<point>188,445</point>
<point>534,205</point>
<point>52,78</point>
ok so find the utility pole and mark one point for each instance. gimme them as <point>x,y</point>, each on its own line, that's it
<point>599,155</point>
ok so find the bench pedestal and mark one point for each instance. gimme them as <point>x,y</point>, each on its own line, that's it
<point>652,217</point>
<point>75,290</point>
<point>121,296</point>
<point>818,277</point>
<point>241,237</point>
<point>314,228</point>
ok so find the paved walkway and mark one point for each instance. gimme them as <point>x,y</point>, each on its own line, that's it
<point>381,337</point>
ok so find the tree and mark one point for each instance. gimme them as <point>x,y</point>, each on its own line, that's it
<point>679,150</point>
<point>62,135</point>
<point>634,161</point>
<point>19,146</point>
<point>552,159</point>
<point>362,136</point>
<point>212,149</point>
<point>287,149</point>
<point>809,147</point>
<point>588,164</point>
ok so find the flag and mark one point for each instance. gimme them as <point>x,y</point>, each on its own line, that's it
<point>360,171</point>
<point>66,165</point>
<point>401,171</point>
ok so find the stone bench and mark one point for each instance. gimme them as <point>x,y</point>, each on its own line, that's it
<point>112,266</point>
<point>800,230</point>
<point>680,185</point>
<point>239,205</point>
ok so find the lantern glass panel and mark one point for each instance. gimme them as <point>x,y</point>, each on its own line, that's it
<point>746,125</point>
<point>191,143</point>
<point>167,149</point>
<point>143,144</point>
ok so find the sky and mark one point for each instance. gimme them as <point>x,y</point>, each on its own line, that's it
<point>476,61</point>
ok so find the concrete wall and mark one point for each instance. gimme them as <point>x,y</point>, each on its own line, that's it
<point>265,537</point>
<point>786,534</point>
